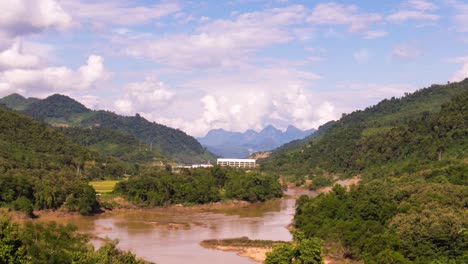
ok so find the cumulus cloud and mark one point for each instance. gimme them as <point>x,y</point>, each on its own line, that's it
<point>462,73</point>
<point>336,14</point>
<point>240,100</point>
<point>147,96</point>
<point>222,42</point>
<point>43,81</point>
<point>23,17</point>
<point>15,58</point>
<point>117,12</point>
<point>366,94</point>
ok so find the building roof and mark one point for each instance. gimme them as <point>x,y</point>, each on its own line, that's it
<point>238,160</point>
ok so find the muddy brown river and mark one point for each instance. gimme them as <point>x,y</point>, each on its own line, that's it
<point>169,236</point>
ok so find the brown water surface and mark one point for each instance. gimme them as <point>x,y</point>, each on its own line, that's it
<point>170,236</point>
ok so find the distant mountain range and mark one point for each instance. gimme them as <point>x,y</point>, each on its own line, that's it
<point>240,145</point>
<point>66,113</point>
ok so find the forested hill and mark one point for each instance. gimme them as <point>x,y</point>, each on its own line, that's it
<point>41,168</point>
<point>26,144</point>
<point>63,111</point>
<point>395,136</point>
<point>410,206</point>
<point>17,102</point>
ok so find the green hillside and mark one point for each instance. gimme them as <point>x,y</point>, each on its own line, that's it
<point>391,137</point>
<point>62,111</point>
<point>173,143</point>
<point>410,206</point>
<point>40,168</point>
<point>123,146</point>
<point>17,102</point>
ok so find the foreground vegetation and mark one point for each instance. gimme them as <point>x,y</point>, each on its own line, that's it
<point>301,250</point>
<point>391,221</point>
<point>198,186</point>
<point>410,206</point>
<point>52,243</point>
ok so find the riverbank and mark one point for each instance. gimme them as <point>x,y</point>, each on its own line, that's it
<point>256,250</point>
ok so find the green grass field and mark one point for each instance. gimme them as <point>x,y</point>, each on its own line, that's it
<point>104,186</point>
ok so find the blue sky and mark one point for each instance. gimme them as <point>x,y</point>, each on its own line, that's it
<point>199,65</point>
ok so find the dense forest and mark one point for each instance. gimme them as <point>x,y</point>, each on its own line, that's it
<point>120,145</point>
<point>62,111</point>
<point>392,137</point>
<point>42,169</point>
<point>51,243</point>
<point>410,206</point>
<point>405,220</point>
<point>198,186</point>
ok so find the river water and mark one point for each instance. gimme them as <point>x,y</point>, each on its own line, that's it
<point>169,236</point>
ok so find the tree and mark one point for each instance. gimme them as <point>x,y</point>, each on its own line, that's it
<point>301,251</point>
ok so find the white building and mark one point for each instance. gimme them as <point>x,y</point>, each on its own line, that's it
<point>201,166</point>
<point>238,163</point>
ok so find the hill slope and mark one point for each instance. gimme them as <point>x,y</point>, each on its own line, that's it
<point>41,168</point>
<point>17,102</point>
<point>410,206</point>
<point>62,111</point>
<point>364,141</point>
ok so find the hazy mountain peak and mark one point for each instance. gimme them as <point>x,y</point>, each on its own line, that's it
<point>292,128</point>
<point>239,145</point>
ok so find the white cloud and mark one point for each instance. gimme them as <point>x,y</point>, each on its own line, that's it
<point>361,56</point>
<point>405,15</point>
<point>407,51</point>
<point>462,73</point>
<point>239,100</point>
<point>15,58</point>
<point>220,43</point>
<point>23,17</point>
<point>358,95</point>
<point>335,14</point>
<point>124,106</point>
<point>147,96</point>
<point>43,81</point>
<point>90,101</point>
<point>117,12</point>
<point>422,5</point>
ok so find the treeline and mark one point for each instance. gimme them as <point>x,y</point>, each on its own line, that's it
<point>198,186</point>
<point>400,135</point>
<point>404,221</point>
<point>52,243</point>
<point>26,190</point>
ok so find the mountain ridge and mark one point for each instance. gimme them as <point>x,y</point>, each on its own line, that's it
<point>63,111</point>
<point>241,144</point>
